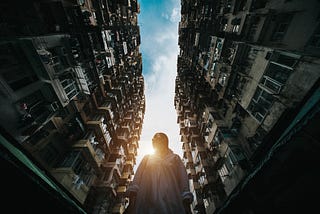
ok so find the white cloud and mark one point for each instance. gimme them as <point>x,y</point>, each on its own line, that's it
<point>175,15</point>
<point>165,15</point>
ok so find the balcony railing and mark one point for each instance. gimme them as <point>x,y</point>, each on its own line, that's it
<point>93,155</point>
<point>97,122</point>
<point>106,185</point>
<point>121,190</point>
<point>71,182</point>
<point>114,166</point>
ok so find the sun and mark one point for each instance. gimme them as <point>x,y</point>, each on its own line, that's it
<point>145,148</point>
<point>148,151</point>
<point>151,151</point>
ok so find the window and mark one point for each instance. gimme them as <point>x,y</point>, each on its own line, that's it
<point>235,24</point>
<point>275,76</point>
<point>222,79</point>
<point>120,162</point>
<point>260,104</point>
<point>315,38</point>
<point>86,173</point>
<point>49,154</point>
<point>233,155</point>
<point>193,153</point>
<point>69,87</point>
<point>235,28</point>
<point>209,125</point>
<point>78,164</point>
<point>108,137</point>
<point>202,178</point>
<point>236,154</point>
<point>278,73</point>
<point>218,138</point>
<point>92,139</point>
<point>272,85</point>
<point>279,69</point>
<point>70,159</point>
<point>284,58</point>
<point>282,23</point>
<point>268,55</point>
<point>198,160</point>
<point>223,172</point>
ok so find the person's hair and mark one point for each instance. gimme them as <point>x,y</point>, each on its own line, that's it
<point>161,137</point>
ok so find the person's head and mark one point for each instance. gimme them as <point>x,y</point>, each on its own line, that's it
<point>160,142</point>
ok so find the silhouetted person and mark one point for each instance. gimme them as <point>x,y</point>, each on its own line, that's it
<point>160,184</point>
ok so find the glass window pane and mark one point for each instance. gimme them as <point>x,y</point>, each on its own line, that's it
<point>278,73</point>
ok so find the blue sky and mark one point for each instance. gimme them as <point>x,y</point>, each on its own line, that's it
<point>158,21</point>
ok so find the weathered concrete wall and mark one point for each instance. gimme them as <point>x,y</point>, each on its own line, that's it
<point>255,73</point>
<point>233,179</point>
<point>302,25</point>
<point>300,81</point>
<point>272,117</point>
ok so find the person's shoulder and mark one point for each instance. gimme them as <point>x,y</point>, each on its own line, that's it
<point>176,157</point>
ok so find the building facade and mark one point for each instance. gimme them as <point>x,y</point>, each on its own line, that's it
<point>72,92</point>
<point>243,67</point>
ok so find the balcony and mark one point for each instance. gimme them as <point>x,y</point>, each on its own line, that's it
<point>188,156</point>
<point>97,123</point>
<point>138,121</point>
<point>191,173</point>
<point>118,208</point>
<point>238,54</point>
<point>200,150</point>
<point>38,115</point>
<point>125,178</point>
<point>198,169</point>
<point>196,185</point>
<point>107,81</point>
<point>135,144</point>
<point>106,186</point>
<point>114,166</point>
<point>126,126</point>
<point>116,152</point>
<point>106,108</point>
<point>121,190</point>
<point>123,135</point>
<point>130,164</point>
<point>255,27</point>
<point>83,81</point>
<point>94,156</point>
<point>128,116</point>
<point>65,88</point>
<point>209,180</point>
<point>71,182</point>
<point>194,133</point>
<point>118,93</point>
<point>206,163</point>
<point>132,151</point>
<point>40,139</point>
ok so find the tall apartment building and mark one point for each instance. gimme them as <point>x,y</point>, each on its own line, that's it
<point>245,69</point>
<point>72,94</point>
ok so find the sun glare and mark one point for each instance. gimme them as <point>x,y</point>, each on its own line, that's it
<point>150,151</point>
<point>145,148</point>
